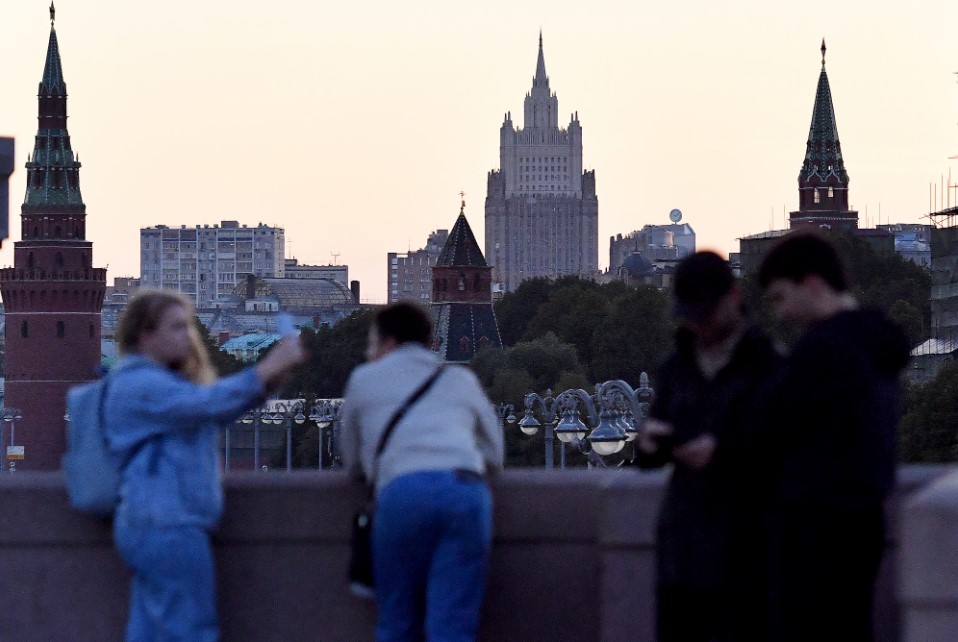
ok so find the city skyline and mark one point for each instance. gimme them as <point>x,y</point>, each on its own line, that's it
<point>355,129</point>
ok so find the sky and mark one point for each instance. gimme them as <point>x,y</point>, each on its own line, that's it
<point>355,125</point>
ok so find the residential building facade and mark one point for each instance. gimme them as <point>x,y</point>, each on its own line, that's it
<point>293,270</point>
<point>410,274</point>
<point>207,263</point>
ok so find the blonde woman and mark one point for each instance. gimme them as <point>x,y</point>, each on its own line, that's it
<point>162,414</point>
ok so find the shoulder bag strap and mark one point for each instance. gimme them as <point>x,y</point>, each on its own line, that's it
<point>397,417</point>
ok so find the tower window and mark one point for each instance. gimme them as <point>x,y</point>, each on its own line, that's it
<point>817,197</point>
<point>91,330</point>
<point>24,330</point>
<point>60,330</point>
<point>831,193</point>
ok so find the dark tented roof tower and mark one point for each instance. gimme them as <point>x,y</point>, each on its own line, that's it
<point>462,297</point>
<point>823,181</point>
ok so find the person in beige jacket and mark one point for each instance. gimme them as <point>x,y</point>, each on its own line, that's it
<point>432,529</point>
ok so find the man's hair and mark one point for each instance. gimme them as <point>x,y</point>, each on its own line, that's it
<point>803,254</point>
<point>404,322</point>
<point>701,280</point>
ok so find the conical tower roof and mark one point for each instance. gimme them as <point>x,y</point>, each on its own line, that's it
<point>541,79</point>
<point>823,152</point>
<point>461,248</point>
<point>52,83</point>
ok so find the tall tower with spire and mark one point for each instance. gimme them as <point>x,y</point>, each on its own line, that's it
<point>823,181</point>
<point>542,212</point>
<point>462,310</point>
<point>52,295</point>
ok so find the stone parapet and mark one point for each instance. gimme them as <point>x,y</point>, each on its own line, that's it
<point>928,586</point>
<point>573,559</point>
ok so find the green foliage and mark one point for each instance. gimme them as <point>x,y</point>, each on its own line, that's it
<point>223,362</point>
<point>570,333</point>
<point>618,331</point>
<point>516,309</point>
<point>929,429</point>
<point>531,366</point>
<point>884,281</point>
<point>633,337</point>
<point>333,353</point>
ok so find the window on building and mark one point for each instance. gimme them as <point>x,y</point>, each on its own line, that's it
<point>817,197</point>
<point>24,330</point>
<point>61,330</point>
<point>831,193</point>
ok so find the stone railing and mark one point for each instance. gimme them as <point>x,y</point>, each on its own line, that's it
<point>573,559</point>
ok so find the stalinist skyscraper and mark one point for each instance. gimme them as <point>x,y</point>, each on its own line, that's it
<point>542,213</point>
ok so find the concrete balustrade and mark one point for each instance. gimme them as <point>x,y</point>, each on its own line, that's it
<point>929,563</point>
<point>573,559</point>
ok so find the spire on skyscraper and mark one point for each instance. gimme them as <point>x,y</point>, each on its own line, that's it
<point>541,79</point>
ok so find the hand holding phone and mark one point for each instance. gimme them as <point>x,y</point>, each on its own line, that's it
<point>284,325</point>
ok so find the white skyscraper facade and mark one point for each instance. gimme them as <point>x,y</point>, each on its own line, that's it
<point>541,207</point>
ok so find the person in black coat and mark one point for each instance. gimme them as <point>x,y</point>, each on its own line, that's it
<point>831,422</point>
<point>710,562</point>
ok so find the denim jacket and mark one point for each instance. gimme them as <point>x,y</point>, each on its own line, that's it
<point>163,430</point>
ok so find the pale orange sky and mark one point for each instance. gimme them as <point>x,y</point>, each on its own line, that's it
<point>355,125</point>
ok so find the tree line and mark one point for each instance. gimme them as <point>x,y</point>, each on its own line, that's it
<point>572,333</point>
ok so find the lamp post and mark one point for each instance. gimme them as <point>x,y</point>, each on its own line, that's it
<point>11,416</point>
<point>326,415</point>
<point>506,413</point>
<point>290,412</point>
<point>616,410</point>
<point>257,417</point>
<point>626,409</point>
<point>530,425</point>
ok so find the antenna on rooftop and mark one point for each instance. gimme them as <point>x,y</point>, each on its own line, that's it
<point>335,256</point>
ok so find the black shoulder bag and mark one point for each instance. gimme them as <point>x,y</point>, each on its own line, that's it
<point>361,555</point>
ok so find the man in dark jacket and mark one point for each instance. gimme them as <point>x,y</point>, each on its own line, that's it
<point>831,420</point>
<point>709,537</point>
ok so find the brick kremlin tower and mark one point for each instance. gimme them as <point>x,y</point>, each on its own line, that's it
<point>52,296</point>
<point>462,297</point>
<point>823,181</point>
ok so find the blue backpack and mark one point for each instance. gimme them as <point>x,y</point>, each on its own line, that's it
<point>92,479</point>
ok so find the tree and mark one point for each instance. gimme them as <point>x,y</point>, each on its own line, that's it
<point>333,354</point>
<point>633,338</point>
<point>509,374</point>
<point>516,309</point>
<point>223,362</point>
<point>929,430</point>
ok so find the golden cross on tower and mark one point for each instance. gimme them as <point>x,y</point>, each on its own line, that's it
<point>462,208</point>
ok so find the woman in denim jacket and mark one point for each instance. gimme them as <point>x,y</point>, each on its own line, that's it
<point>163,414</point>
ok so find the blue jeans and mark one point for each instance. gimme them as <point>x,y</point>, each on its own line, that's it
<point>431,539</point>
<point>172,597</point>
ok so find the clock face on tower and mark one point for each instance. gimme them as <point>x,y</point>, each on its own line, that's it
<point>675,216</point>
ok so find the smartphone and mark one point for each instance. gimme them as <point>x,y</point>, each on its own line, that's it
<point>284,325</point>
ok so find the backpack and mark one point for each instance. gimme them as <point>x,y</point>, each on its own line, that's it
<point>92,479</point>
